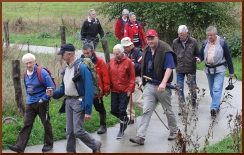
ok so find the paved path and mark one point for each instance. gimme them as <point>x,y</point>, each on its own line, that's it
<point>156,138</point>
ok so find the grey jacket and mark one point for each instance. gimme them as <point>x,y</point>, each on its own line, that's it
<point>186,56</point>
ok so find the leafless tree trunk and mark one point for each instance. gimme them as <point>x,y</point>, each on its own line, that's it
<point>62,33</point>
<point>106,50</point>
<point>17,87</point>
<point>6,31</point>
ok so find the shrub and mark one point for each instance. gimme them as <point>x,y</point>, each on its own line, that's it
<point>234,40</point>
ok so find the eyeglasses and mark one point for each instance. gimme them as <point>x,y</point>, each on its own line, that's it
<point>182,35</point>
<point>150,39</point>
<point>29,63</point>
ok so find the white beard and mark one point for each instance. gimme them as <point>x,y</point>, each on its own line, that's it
<point>30,73</point>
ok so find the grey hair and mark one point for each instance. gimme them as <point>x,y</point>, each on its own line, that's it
<point>88,46</point>
<point>182,28</point>
<point>212,28</point>
<point>89,11</point>
<point>28,55</point>
<point>119,47</point>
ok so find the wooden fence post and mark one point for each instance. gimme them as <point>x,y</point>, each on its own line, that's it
<point>17,87</point>
<point>6,31</point>
<point>106,50</point>
<point>62,33</point>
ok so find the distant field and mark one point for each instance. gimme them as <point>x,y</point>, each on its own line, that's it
<point>35,10</point>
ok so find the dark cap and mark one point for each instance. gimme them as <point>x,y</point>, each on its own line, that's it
<point>66,47</point>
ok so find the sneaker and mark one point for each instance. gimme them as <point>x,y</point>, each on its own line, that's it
<point>47,148</point>
<point>172,136</point>
<point>137,140</point>
<point>98,150</point>
<point>15,148</point>
<point>131,122</point>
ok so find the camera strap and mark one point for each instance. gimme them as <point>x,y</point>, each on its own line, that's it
<point>230,79</point>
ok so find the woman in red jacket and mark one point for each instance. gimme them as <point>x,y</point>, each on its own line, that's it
<point>122,79</point>
<point>120,24</point>
<point>134,30</point>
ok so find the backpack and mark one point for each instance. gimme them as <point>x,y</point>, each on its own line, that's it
<point>91,66</point>
<point>40,77</point>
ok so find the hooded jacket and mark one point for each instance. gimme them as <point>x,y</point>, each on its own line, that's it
<point>102,72</point>
<point>119,28</point>
<point>84,87</point>
<point>129,32</point>
<point>122,75</point>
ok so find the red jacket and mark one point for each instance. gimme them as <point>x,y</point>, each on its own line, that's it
<point>103,75</point>
<point>122,75</point>
<point>119,28</point>
<point>129,32</point>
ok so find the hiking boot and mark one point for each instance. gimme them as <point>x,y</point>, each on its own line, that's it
<point>137,140</point>
<point>47,148</point>
<point>103,128</point>
<point>213,112</point>
<point>172,136</point>
<point>193,105</point>
<point>131,122</point>
<point>15,148</point>
<point>98,150</point>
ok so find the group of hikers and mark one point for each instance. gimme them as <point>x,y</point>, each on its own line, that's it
<point>123,79</point>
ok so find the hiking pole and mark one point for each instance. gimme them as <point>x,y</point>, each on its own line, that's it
<point>130,105</point>
<point>160,119</point>
<point>45,127</point>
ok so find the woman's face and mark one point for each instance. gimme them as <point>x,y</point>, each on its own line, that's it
<point>133,18</point>
<point>117,54</point>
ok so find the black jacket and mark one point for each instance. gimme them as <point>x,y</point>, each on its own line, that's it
<point>91,28</point>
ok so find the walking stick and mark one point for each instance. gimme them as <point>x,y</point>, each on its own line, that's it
<point>130,105</point>
<point>160,119</point>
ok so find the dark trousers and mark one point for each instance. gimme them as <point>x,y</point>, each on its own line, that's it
<point>99,106</point>
<point>119,103</point>
<point>31,110</point>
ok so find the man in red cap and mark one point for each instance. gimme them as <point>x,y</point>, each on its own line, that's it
<point>158,62</point>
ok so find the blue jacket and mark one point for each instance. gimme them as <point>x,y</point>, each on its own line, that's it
<point>36,90</point>
<point>85,87</point>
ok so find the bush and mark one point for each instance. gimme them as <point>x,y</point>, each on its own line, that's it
<point>234,40</point>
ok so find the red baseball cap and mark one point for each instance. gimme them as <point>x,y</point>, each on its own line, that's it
<point>151,33</point>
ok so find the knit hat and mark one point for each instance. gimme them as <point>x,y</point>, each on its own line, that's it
<point>125,12</point>
<point>131,13</point>
<point>125,42</point>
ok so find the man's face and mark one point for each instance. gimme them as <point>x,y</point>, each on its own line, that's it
<point>66,57</point>
<point>124,16</point>
<point>87,53</point>
<point>211,36</point>
<point>133,18</point>
<point>152,41</point>
<point>93,14</point>
<point>29,64</point>
<point>117,54</point>
<point>183,36</point>
<point>128,48</point>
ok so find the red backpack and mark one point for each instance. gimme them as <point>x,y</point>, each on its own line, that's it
<point>40,77</point>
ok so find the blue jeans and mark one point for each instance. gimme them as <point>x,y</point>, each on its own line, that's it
<point>215,82</point>
<point>119,103</point>
<point>191,82</point>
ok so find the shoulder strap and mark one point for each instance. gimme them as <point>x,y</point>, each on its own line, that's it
<point>137,50</point>
<point>39,74</point>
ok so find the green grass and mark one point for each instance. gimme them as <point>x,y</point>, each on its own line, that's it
<point>223,146</point>
<point>37,10</point>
